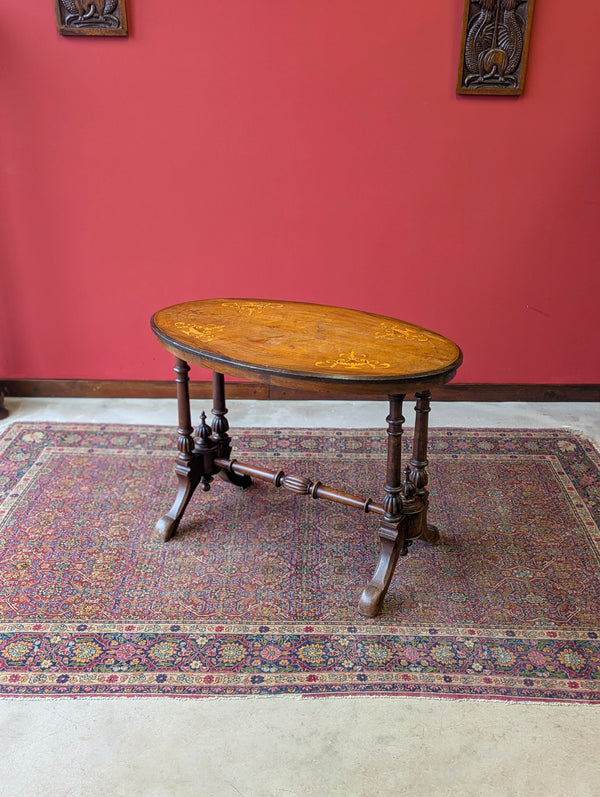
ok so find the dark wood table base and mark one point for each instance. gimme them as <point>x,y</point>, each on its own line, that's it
<point>402,510</point>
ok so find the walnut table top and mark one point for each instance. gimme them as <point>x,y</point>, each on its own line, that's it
<point>312,346</point>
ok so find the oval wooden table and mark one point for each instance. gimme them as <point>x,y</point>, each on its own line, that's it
<point>317,348</point>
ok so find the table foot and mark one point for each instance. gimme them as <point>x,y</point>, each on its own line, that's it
<point>167,525</point>
<point>371,600</point>
<point>432,534</point>
<point>372,597</point>
<point>418,528</point>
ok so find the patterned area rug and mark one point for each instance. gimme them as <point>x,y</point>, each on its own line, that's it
<point>257,592</point>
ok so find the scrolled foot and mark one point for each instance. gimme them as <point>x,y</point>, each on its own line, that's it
<point>432,534</point>
<point>371,600</point>
<point>188,481</point>
<point>166,527</point>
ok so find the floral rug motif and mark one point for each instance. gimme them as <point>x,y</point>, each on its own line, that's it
<point>257,592</point>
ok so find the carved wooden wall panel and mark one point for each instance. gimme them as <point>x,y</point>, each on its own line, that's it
<point>495,45</point>
<point>91,17</point>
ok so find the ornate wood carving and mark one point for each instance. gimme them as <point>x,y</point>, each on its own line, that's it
<point>495,45</point>
<point>91,17</point>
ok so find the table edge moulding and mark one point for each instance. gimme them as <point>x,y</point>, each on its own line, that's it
<point>317,348</point>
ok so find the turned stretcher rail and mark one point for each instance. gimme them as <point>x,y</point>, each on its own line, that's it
<point>300,485</point>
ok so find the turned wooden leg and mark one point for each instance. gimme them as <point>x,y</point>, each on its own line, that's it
<point>187,467</point>
<point>418,470</point>
<point>391,530</point>
<point>220,429</point>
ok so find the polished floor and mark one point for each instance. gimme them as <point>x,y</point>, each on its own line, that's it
<point>292,747</point>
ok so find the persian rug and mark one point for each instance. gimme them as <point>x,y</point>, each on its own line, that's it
<point>257,592</point>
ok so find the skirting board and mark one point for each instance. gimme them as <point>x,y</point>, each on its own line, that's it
<point>456,391</point>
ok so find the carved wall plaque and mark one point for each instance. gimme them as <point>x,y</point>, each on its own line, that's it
<point>91,17</point>
<point>495,44</point>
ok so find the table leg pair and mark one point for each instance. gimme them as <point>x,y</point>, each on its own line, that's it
<point>403,512</point>
<point>405,503</point>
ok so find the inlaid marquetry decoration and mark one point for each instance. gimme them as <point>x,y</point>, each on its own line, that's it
<point>200,332</point>
<point>388,331</point>
<point>91,17</point>
<point>352,362</point>
<point>250,308</point>
<point>495,46</point>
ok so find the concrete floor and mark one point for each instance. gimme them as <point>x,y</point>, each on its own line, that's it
<point>286,746</point>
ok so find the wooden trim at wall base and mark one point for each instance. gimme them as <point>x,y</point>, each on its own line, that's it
<point>456,391</point>
<point>3,410</point>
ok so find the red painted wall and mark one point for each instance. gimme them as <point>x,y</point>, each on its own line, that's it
<point>297,149</point>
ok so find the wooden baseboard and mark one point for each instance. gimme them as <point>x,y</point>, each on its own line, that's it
<point>3,410</point>
<point>456,391</point>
